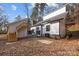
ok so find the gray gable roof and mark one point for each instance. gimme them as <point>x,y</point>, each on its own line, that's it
<point>25,19</point>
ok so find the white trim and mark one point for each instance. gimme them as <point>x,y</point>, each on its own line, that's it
<point>53,14</point>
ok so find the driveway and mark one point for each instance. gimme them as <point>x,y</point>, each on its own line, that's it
<point>40,47</point>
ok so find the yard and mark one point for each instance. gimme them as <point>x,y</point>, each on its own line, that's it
<point>40,47</point>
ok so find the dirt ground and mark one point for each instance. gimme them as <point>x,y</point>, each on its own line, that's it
<point>40,47</point>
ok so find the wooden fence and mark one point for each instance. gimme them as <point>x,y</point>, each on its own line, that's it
<point>3,36</point>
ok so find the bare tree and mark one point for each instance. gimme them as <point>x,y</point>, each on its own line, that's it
<point>18,18</point>
<point>3,20</point>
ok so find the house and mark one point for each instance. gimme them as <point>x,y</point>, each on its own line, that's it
<point>52,25</point>
<point>17,30</point>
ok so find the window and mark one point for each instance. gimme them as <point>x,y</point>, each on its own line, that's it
<point>37,28</point>
<point>32,31</point>
<point>48,28</point>
<point>37,31</point>
<point>29,32</point>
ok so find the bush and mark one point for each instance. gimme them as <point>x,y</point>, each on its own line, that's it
<point>2,32</point>
<point>68,34</point>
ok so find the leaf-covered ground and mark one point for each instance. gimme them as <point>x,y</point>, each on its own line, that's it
<point>40,47</point>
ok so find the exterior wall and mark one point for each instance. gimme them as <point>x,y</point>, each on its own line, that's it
<point>44,29</point>
<point>22,33</point>
<point>54,29</point>
<point>13,33</point>
<point>59,26</point>
<point>12,27</point>
<point>62,28</point>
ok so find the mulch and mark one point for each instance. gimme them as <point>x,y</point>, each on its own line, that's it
<point>34,47</point>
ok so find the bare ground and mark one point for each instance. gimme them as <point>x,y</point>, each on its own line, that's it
<point>40,47</point>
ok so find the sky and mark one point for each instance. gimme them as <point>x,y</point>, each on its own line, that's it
<point>14,9</point>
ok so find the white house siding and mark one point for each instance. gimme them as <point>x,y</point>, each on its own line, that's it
<point>44,29</point>
<point>12,28</point>
<point>54,29</point>
<point>57,28</point>
<point>22,33</point>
